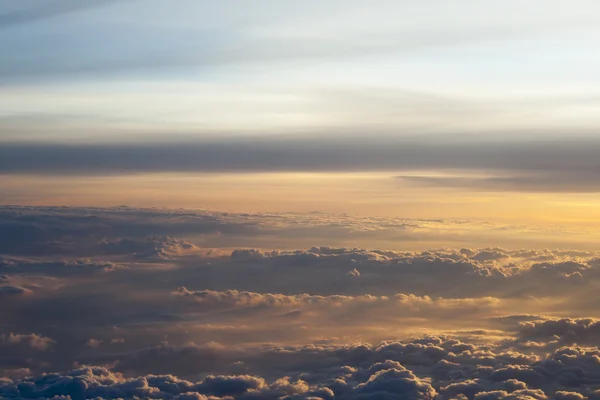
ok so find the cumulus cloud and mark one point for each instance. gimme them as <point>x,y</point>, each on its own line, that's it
<point>562,331</point>
<point>23,354</point>
<point>148,248</point>
<point>446,273</point>
<point>354,273</point>
<point>322,313</point>
<point>425,368</point>
<point>32,340</point>
<point>250,299</point>
<point>134,294</point>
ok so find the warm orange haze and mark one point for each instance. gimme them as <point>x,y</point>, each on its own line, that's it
<point>447,217</point>
<point>299,200</point>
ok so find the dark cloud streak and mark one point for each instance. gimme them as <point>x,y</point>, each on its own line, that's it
<point>537,165</point>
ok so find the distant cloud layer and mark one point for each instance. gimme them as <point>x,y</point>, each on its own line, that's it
<point>125,302</point>
<point>156,233</point>
<point>531,162</point>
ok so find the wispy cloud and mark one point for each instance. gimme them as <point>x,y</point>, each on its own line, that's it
<point>55,8</point>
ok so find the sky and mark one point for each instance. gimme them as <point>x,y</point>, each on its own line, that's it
<point>299,199</point>
<point>377,108</point>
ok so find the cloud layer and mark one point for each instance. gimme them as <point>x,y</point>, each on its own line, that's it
<point>124,302</point>
<point>522,165</point>
<point>427,368</point>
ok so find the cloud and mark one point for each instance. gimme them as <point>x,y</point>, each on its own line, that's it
<point>83,232</point>
<point>93,342</point>
<point>8,291</point>
<point>267,35</point>
<point>409,370</point>
<point>36,231</point>
<point>158,315</point>
<point>489,255</point>
<point>148,248</point>
<point>250,299</point>
<point>561,331</point>
<point>24,353</point>
<point>556,181</point>
<point>340,308</point>
<point>46,268</point>
<point>472,273</point>
<point>396,384</point>
<point>354,273</point>
<point>34,341</point>
<point>532,166</point>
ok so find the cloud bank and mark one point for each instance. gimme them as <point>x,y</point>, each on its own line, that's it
<point>533,157</point>
<point>131,303</point>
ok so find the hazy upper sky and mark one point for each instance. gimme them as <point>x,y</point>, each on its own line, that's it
<point>122,69</point>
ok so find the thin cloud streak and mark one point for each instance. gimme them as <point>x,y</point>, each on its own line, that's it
<point>48,10</point>
<point>544,182</point>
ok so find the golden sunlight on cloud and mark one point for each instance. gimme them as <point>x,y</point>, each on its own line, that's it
<point>489,218</point>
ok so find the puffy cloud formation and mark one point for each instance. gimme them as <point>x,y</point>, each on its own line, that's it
<point>363,306</point>
<point>23,353</point>
<point>451,273</point>
<point>562,331</point>
<point>33,341</point>
<point>250,299</point>
<point>126,303</point>
<point>427,368</point>
<point>354,273</point>
<point>97,382</point>
<point>150,247</point>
